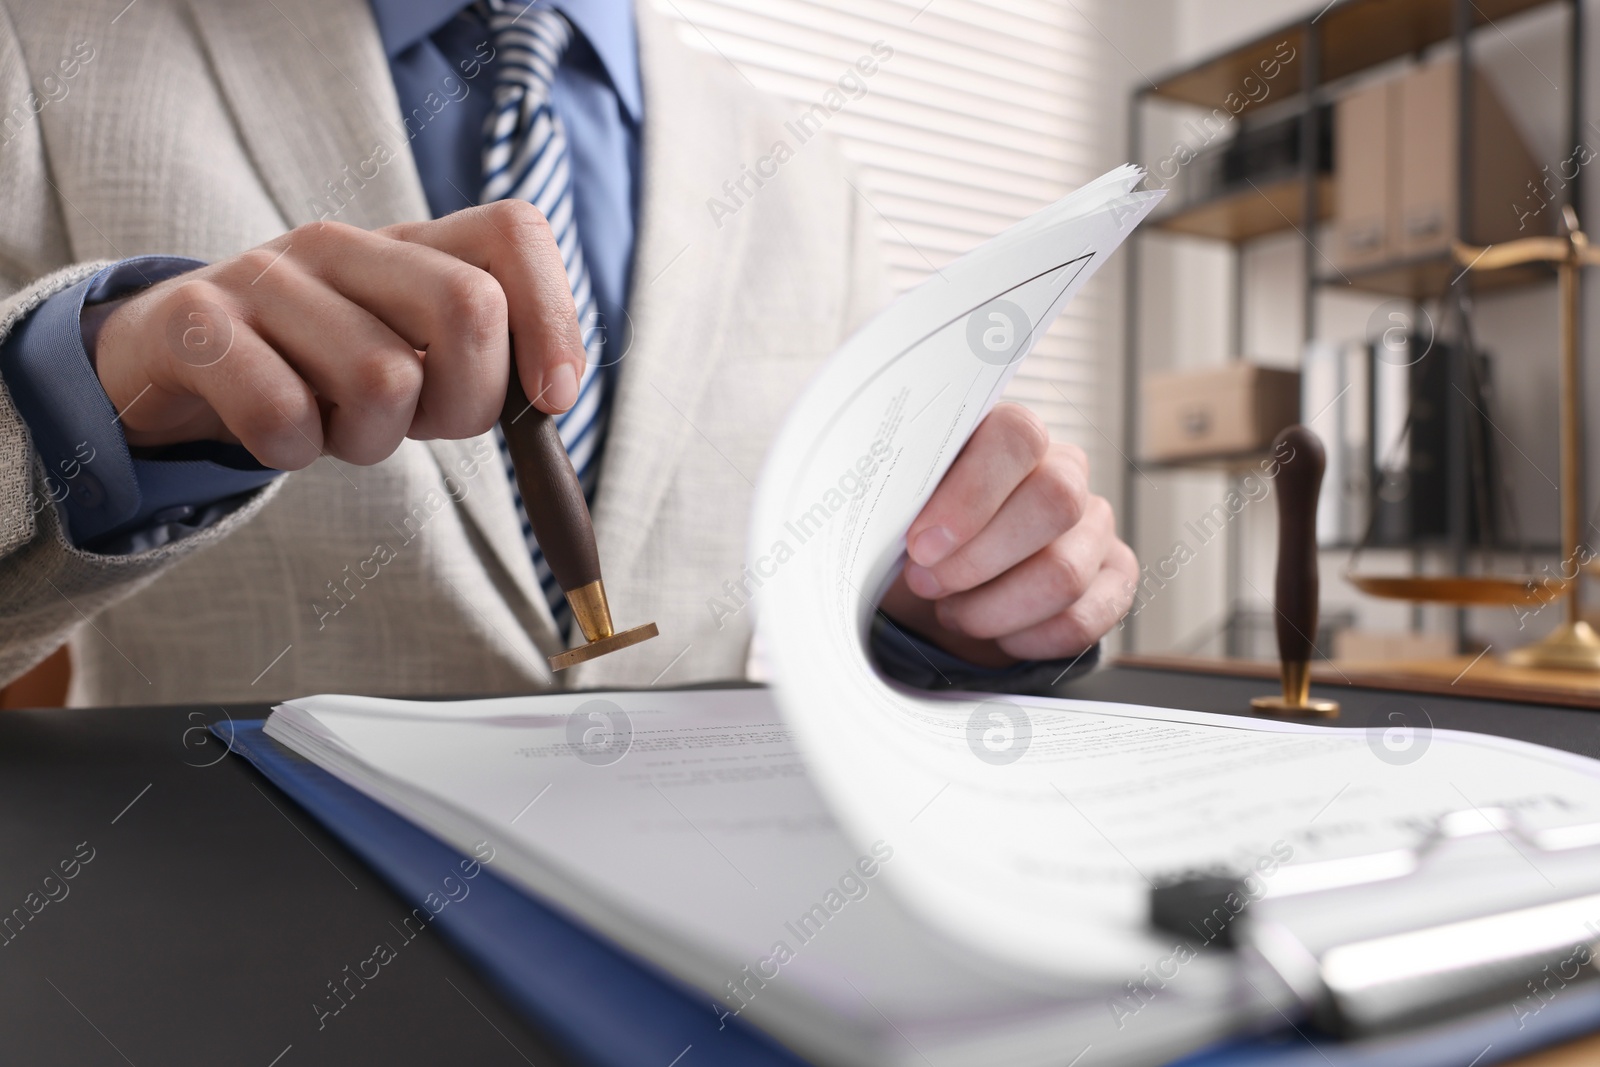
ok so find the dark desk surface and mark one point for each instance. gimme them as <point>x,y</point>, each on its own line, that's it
<point>213,913</point>
<point>211,917</point>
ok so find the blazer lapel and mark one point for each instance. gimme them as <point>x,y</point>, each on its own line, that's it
<point>309,86</point>
<point>679,295</point>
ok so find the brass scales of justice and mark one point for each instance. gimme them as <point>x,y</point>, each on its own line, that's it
<point>1574,645</point>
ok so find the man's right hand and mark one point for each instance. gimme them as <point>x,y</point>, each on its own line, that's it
<point>337,340</point>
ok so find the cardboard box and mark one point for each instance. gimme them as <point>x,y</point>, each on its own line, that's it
<point>1365,196</point>
<point>1220,411</point>
<point>1502,165</point>
<point>1396,163</point>
<point>1370,646</point>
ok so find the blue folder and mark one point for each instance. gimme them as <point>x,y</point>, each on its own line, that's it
<point>550,967</point>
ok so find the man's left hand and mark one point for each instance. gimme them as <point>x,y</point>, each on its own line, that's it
<point>1013,558</point>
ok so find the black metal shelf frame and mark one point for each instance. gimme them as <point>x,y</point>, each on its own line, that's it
<point>1467,18</point>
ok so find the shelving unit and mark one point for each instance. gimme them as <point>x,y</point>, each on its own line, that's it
<point>1346,37</point>
<point>1249,213</point>
<point>1425,277</point>
<point>1343,40</point>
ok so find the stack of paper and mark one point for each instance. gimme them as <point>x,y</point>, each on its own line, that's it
<point>705,848</point>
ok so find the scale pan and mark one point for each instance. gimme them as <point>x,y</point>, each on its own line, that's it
<point>1460,589</point>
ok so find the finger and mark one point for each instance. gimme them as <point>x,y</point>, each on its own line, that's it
<point>1050,501</point>
<point>1006,446</point>
<point>449,309</point>
<point>366,376</point>
<point>512,241</point>
<point>1043,585</point>
<point>257,397</point>
<point>1088,620</point>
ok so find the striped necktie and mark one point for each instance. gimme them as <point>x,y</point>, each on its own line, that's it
<point>525,156</point>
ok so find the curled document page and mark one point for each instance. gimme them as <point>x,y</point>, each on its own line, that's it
<point>1034,829</point>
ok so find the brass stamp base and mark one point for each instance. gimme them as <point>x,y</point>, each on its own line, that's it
<point>595,649</point>
<point>1296,698</point>
<point>1328,709</point>
<point>589,607</point>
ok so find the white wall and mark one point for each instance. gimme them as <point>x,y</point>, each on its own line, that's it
<point>1186,320</point>
<point>1140,41</point>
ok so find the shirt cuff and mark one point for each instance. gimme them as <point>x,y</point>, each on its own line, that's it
<point>911,660</point>
<point>104,494</point>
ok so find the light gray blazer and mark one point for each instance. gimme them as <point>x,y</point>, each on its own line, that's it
<point>206,128</point>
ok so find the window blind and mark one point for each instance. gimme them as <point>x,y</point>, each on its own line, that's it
<point>984,112</point>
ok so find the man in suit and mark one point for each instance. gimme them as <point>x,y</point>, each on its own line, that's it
<point>312,236</point>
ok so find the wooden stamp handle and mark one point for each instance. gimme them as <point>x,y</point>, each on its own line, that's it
<point>1301,463</point>
<point>551,494</point>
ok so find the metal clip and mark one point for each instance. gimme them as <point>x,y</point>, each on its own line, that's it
<point>1384,942</point>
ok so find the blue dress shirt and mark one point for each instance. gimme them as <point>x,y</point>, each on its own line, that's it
<point>441,59</point>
